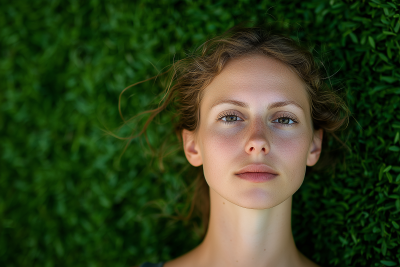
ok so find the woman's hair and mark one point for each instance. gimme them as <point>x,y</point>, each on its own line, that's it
<point>191,75</point>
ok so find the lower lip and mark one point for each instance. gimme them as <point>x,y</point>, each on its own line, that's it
<point>257,177</point>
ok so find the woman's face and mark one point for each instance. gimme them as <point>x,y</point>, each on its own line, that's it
<point>255,134</point>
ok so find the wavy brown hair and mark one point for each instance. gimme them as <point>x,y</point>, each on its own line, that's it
<point>189,77</point>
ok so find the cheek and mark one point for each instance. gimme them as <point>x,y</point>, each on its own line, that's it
<point>220,147</point>
<point>292,150</point>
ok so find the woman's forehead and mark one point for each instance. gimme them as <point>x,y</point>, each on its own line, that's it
<point>256,76</point>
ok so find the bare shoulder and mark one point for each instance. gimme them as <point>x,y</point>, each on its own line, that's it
<point>184,260</point>
<point>178,262</point>
<point>311,264</point>
<point>306,262</point>
<point>191,258</point>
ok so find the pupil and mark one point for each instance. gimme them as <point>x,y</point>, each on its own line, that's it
<point>231,117</point>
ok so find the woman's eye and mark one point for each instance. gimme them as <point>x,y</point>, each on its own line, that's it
<point>284,120</point>
<point>229,118</point>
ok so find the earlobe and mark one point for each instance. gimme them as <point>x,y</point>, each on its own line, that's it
<point>316,148</point>
<point>191,149</point>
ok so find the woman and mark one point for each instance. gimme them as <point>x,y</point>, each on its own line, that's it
<point>252,112</point>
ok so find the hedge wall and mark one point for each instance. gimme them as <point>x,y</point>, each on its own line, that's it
<point>67,200</point>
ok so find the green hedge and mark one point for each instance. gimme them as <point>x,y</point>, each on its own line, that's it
<point>67,200</point>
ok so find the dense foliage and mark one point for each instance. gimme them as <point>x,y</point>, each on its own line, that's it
<point>67,200</point>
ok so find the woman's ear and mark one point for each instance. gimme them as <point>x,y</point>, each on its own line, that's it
<point>191,148</point>
<point>315,149</point>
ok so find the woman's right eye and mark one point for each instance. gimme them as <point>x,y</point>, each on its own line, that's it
<point>229,118</point>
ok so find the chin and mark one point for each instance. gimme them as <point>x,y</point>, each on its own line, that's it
<point>258,199</point>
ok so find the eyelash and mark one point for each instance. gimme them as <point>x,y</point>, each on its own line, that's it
<point>286,116</point>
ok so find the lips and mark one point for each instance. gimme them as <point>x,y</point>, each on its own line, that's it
<point>257,168</point>
<point>257,177</point>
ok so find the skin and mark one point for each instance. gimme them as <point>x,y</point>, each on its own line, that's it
<point>250,223</point>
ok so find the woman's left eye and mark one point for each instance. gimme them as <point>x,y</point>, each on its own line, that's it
<point>286,118</point>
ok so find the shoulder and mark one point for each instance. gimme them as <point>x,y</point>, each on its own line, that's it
<point>306,262</point>
<point>309,263</point>
<point>149,264</point>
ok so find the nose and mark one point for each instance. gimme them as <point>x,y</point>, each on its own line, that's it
<point>257,142</point>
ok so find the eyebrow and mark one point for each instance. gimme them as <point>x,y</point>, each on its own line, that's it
<point>245,105</point>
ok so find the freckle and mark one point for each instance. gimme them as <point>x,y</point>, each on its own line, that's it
<point>224,202</point>
<point>264,249</point>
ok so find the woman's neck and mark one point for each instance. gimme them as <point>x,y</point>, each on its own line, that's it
<point>248,237</point>
<point>243,237</point>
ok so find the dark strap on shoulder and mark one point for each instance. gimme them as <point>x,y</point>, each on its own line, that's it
<point>149,264</point>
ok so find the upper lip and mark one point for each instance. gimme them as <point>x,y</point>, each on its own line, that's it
<point>257,168</point>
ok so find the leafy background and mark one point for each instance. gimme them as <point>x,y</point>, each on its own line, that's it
<point>67,200</point>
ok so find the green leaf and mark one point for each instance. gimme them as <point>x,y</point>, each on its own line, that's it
<point>353,236</point>
<point>396,90</point>
<point>363,20</point>
<point>389,263</point>
<point>371,42</point>
<point>384,20</point>
<point>381,171</point>
<point>395,225</point>
<point>389,52</point>
<point>356,4</point>
<point>394,148</point>
<point>353,37</point>
<point>387,78</point>
<point>363,39</point>
<point>398,178</point>
<point>344,205</point>
<point>396,125</point>
<point>383,57</point>
<point>344,241</point>
<point>372,59</point>
<point>396,138</point>
<point>389,176</point>
<point>397,27</point>
<point>386,11</point>
<point>389,33</point>
<point>383,248</point>
<point>349,24</point>
<point>338,5</point>
<point>387,168</point>
<point>379,88</point>
<point>396,168</point>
